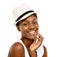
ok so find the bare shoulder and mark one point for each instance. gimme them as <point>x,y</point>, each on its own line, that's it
<point>16,50</point>
<point>45,52</point>
<point>17,45</point>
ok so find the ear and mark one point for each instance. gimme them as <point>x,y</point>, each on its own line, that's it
<point>18,28</point>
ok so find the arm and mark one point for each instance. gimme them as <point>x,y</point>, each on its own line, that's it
<point>17,50</point>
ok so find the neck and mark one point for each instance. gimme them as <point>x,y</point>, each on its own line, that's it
<point>27,41</point>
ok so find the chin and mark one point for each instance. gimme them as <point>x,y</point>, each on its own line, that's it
<point>31,37</point>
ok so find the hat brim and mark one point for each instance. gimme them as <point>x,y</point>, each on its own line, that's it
<point>25,16</point>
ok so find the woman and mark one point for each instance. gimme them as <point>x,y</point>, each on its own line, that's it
<point>30,44</point>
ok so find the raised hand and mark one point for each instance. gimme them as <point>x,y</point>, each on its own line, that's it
<point>37,42</point>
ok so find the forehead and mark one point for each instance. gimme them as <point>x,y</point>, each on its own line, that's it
<point>30,18</point>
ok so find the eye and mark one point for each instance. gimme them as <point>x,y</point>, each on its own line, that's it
<point>25,24</point>
<point>35,22</point>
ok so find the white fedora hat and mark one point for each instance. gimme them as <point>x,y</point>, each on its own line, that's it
<point>22,12</point>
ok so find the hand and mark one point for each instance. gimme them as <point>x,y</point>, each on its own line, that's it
<point>37,42</point>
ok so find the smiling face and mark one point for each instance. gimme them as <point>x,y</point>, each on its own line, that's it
<point>29,27</point>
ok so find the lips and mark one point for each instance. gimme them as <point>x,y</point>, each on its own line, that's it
<point>32,32</point>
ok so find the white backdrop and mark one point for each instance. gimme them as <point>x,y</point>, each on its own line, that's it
<point>49,21</point>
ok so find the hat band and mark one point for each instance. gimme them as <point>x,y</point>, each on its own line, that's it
<point>24,14</point>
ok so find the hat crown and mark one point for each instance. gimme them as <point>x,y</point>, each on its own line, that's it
<point>20,10</point>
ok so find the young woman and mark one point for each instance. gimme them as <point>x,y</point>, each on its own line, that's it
<point>30,44</point>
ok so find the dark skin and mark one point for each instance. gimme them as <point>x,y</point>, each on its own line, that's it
<point>29,31</point>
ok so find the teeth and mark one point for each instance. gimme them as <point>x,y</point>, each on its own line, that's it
<point>32,32</point>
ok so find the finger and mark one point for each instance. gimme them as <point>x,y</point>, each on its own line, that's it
<point>40,36</point>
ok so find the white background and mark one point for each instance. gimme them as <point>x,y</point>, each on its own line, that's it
<point>49,21</point>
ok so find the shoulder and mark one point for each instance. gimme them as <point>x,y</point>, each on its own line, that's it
<point>45,51</point>
<point>17,46</point>
<point>17,49</point>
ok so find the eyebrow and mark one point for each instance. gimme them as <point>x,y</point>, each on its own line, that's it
<point>28,21</point>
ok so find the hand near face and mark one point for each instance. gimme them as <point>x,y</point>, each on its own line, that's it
<point>37,42</point>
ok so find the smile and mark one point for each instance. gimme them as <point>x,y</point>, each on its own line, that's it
<point>32,32</point>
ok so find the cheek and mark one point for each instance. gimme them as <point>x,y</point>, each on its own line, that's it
<point>37,26</point>
<point>23,29</point>
<point>24,33</point>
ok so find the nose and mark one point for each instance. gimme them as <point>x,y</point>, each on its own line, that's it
<point>31,27</point>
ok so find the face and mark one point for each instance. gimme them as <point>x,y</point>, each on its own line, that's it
<point>29,27</point>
